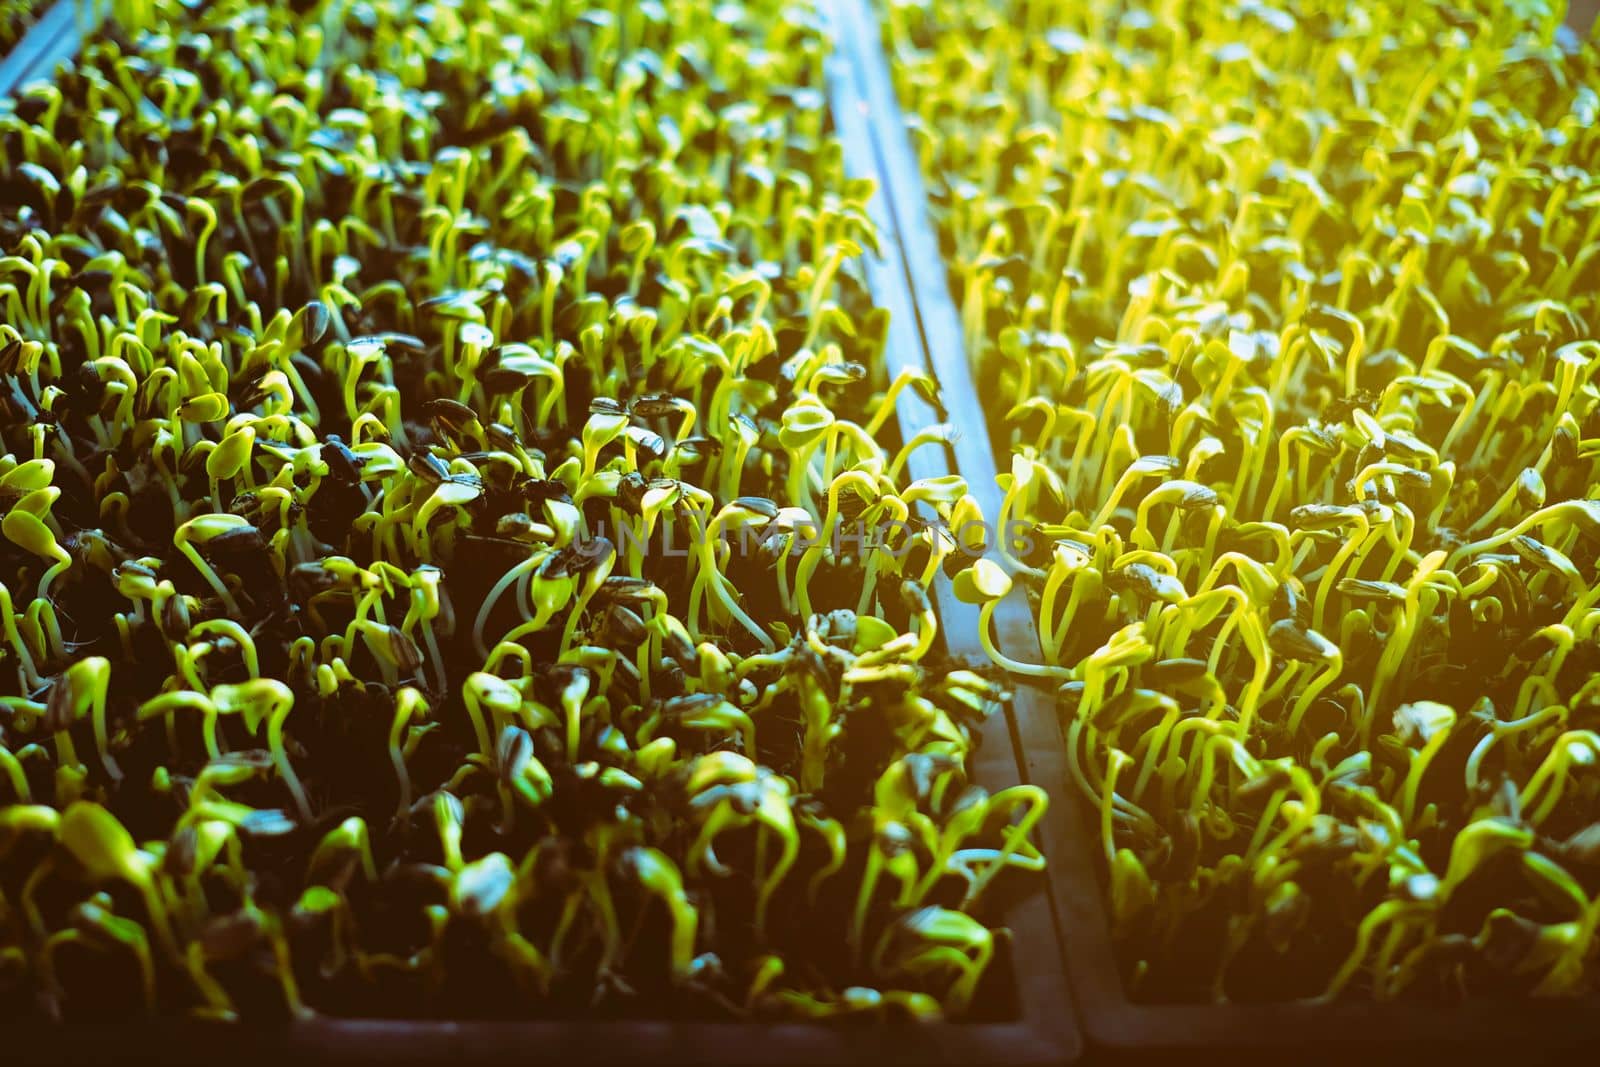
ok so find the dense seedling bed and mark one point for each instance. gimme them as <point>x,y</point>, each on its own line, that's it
<point>1286,315</point>
<point>357,361</point>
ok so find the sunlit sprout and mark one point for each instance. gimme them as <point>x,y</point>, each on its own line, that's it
<point>1292,340</point>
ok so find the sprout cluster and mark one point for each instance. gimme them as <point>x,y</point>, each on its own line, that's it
<point>16,17</point>
<point>332,338</point>
<point>1288,312</point>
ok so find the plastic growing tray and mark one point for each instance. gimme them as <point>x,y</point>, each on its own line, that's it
<point>1042,1028</point>
<point>1117,1028</point>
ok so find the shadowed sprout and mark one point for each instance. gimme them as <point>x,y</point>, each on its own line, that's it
<point>348,442</point>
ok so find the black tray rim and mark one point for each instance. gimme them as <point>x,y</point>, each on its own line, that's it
<point>330,1040</point>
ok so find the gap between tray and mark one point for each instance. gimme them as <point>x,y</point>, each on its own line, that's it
<point>908,279</point>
